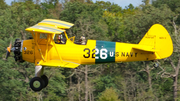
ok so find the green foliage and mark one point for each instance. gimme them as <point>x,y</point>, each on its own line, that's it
<point>87,20</point>
<point>174,5</point>
<point>107,6</point>
<point>99,21</point>
<point>18,17</point>
<point>109,95</point>
<point>3,4</point>
<point>104,82</point>
<point>138,24</point>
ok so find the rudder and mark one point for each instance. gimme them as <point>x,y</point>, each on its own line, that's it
<point>159,39</point>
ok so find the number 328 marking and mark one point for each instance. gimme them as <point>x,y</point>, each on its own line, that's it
<point>102,52</point>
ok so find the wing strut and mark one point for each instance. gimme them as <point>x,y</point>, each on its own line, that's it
<point>48,37</point>
<point>39,47</point>
<point>56,50</point>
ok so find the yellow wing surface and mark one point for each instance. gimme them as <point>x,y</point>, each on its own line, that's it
<point>50,26</point>
<point>56,23</point>
<point>58,63</point>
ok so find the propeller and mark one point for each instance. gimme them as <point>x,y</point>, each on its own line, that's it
<point>8,50</point>
<point>16,49</point>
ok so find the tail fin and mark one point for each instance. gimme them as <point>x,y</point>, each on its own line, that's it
<point>159,40</point>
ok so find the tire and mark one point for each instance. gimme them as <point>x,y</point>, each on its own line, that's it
<point>45,79</point>
<point>37,84</point>
<point>156,65</point>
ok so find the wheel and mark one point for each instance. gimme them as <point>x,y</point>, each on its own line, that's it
<point>156,65</point>
<point>37,84</point>
<point>45,79</point>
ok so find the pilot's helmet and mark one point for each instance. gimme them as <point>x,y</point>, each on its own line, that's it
<point>61,36</point>
<point>82,38</point>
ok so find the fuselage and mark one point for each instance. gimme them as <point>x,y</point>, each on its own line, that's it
<point>92,53</point>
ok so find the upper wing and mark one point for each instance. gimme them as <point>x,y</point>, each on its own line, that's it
<point>56,23</point>
<point>50,26</point>
<point>44,29</point>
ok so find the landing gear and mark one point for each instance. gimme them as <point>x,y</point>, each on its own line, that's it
<point>156,65</point>
<point>45,79</point>
<point>37,84</point>
<point>39,81</point>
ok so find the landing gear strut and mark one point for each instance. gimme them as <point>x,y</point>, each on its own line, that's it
<point>39,81</point>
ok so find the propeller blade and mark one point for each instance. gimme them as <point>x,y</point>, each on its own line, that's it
<point>8,50</point>
<point>7,54</point>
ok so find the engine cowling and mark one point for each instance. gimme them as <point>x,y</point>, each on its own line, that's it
<point>18,50</point>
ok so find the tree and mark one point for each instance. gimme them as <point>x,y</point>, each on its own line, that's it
<point>3,4</point>
<point>109,95</point>
<point>52,8</point>
<point>146,2</point>
<point>16,76</point>
<point>174,61</point>
<point>87,20</point>
<point>174,5</point>
<point>17,18</point>
<point>137,25</point>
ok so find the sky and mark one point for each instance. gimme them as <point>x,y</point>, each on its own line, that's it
<point>121,3</point>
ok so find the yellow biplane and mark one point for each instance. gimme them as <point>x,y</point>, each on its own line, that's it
<point>50,46</point>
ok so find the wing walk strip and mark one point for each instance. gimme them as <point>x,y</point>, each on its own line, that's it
<point>47,28</point>
<point>56,23</point>
<point>50,26</point>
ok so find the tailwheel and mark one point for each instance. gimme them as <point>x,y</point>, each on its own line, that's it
<point>156,65</point>
<point>45,79</point>
<point>37,84</point>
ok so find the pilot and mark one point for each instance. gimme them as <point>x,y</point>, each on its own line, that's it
<point>61,39</point>
<point>83,40</point>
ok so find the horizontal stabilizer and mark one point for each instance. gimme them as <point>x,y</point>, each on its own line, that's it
<point>145,48</point>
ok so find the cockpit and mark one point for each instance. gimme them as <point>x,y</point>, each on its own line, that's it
<point>62,39</point>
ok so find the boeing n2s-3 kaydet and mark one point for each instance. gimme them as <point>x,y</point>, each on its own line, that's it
<point>46,49</point>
